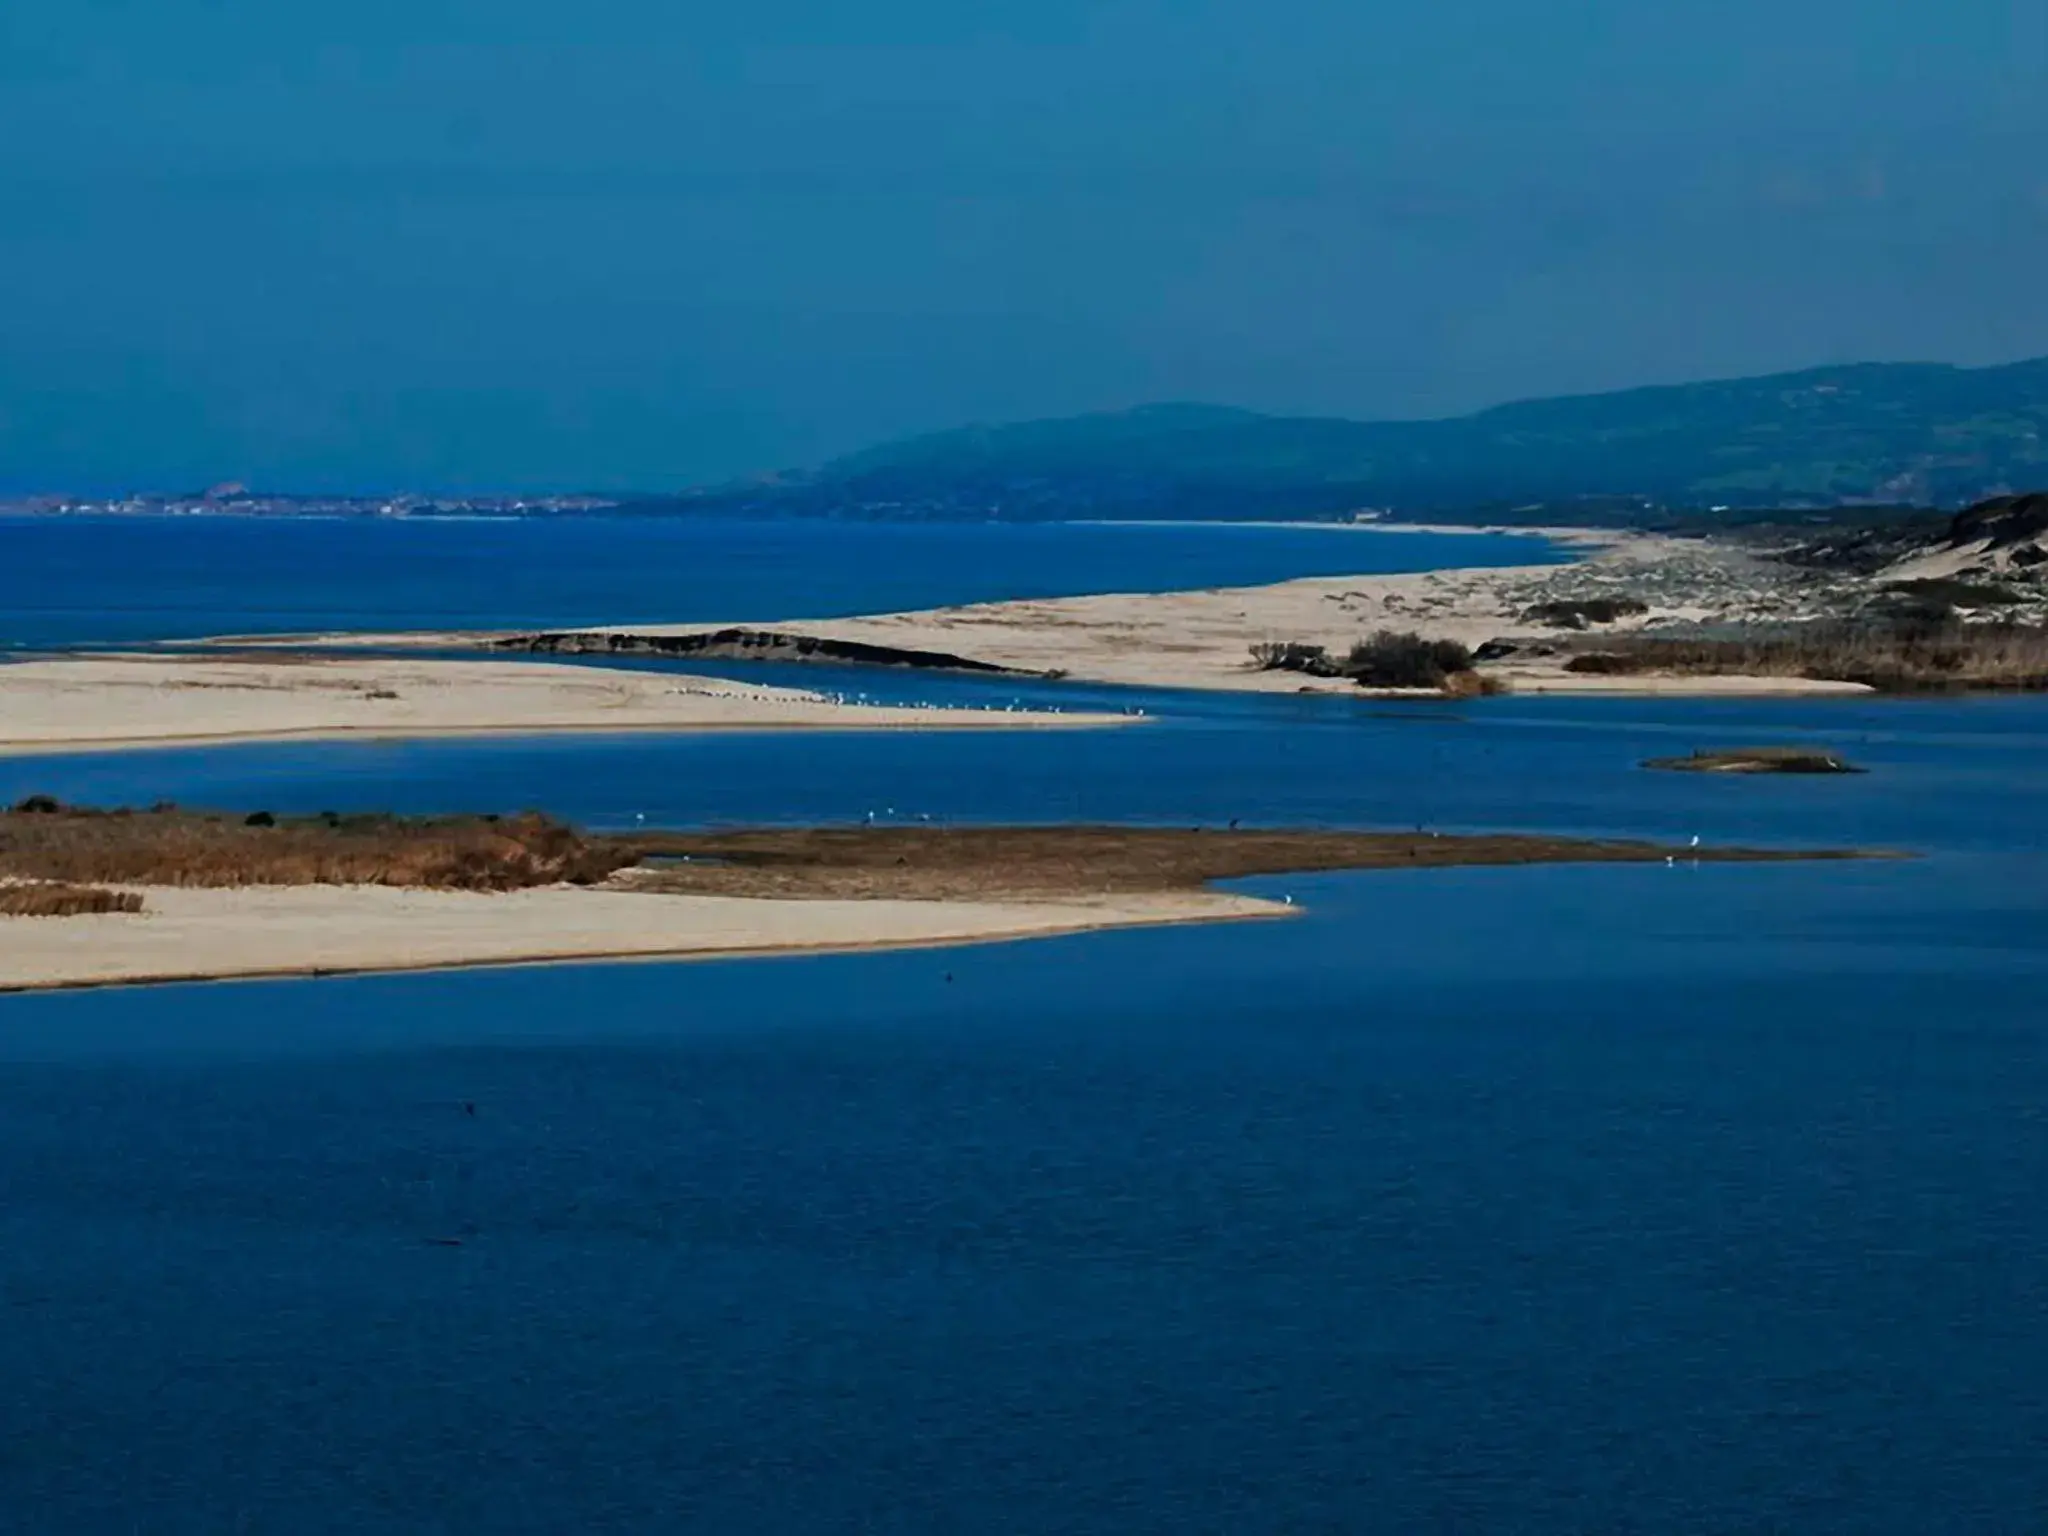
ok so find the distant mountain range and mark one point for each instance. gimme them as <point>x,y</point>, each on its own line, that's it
<point>1890,433</point>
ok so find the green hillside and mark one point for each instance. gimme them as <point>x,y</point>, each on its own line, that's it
<point>1925,433</point>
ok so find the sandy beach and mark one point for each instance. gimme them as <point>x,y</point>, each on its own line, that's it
<point>194,935</point>
<point>1203,639</point>
<point>101,703</point>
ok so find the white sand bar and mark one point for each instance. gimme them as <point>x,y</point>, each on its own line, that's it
<point>1204,639</point>
<point>102,702</point>
<point>193,935</point>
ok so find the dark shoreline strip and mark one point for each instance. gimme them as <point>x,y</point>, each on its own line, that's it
<point>750,645</point>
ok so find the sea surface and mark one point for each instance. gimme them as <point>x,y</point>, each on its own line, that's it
<point>1625,1199</point>
<point>115,580</point>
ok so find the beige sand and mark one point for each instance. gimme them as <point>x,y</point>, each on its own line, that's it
<point>191,935</point>
<point>79,703</point>
<point>1203,639</point>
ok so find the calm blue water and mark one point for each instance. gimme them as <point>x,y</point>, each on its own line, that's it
<point>1540,1200</point>
<point>91,580</point>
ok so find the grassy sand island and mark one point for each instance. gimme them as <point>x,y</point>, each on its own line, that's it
<point>256,895</point>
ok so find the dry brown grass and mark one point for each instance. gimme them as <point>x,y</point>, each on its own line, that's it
<point>83,851</point>
<point>53,899</point>
<point>1472,685</point>
<point>1048,862</point>
<point>1912,659</point>
<point>184,848</point>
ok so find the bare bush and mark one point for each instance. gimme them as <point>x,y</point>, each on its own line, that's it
<point>1294,656</point>
<point>1403,659</point>
<point>1577,613</point>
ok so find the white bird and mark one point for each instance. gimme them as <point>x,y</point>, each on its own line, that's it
<point>1695,839</point>
<point>1288,899</point>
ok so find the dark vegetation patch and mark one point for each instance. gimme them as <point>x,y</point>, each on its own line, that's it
<point>1397,659</point>
<point>2004,520</point>
<point>2015,523</point>
<point>1387,659</point>
<point>749,645</point>
<point>168,846</point>
<point>1864,549</point>
<point>1577,613</point>
<point>1042,862</point>
<point>64,860</point>
<point>1294,656</point>
<point>1756,760</point>
<point>1907,657</point>
<point>1948,591</point>
<point>54,898</point>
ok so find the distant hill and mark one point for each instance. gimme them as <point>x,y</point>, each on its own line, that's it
<point>1921,433</point>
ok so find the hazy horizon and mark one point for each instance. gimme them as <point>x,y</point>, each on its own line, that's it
<point>448,245</point>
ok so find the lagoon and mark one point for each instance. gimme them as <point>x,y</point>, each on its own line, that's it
<point>1543,1199</point>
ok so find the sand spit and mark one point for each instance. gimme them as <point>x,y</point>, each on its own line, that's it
<point>97,703</point>
<point>1203,639</point>
<point>292,931</point>
<point>681,894</point>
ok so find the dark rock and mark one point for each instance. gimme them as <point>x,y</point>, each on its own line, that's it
<point>1756,760</point>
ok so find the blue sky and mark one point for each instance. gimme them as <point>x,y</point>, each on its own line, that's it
<point>513,244</point>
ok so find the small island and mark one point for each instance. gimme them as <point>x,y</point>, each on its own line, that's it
<point>1756,760</point>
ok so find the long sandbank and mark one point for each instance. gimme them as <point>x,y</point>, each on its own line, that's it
<point>222,896</point>
<point>1204,639</point>
<point>107,703</point>
<point>298,931</point>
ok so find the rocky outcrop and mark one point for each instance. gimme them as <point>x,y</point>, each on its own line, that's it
<point>1756,760</point>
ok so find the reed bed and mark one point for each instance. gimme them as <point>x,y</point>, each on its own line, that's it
<point>44,898</point>
<point>43,841</point>
<point>1908,660</point>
